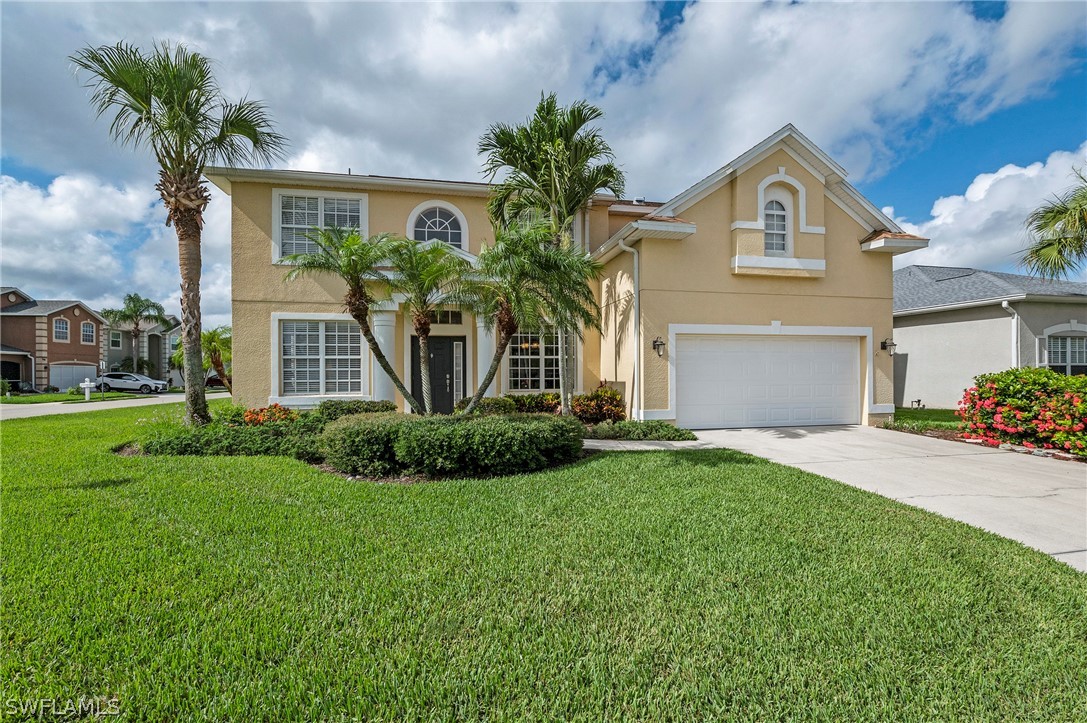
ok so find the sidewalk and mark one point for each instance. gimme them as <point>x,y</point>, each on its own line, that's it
<point>23,411</point>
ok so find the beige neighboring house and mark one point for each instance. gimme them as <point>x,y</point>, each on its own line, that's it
<point>757,297</point>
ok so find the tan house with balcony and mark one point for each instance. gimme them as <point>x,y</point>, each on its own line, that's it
<point>760,296</point>
<point>48,342</point>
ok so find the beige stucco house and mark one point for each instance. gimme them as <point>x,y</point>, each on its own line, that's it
<point>757,297</point>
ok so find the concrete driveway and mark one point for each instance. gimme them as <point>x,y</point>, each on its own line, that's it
<point>1038,501</point>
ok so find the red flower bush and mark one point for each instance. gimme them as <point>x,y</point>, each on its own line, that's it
<point>600,405</point>
<point>1031,407</point>
<point>264,415</point>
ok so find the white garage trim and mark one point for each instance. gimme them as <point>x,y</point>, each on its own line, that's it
<point>774,328</point>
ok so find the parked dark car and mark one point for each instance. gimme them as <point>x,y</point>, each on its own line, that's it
<point>215,381</point>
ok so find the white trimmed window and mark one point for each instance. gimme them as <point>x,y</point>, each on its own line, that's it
<point>299,213</point>
<point>320,357</point>
<point>115,340</point>
<point>86,332</point>
<point>533,362</point>
<point>776,228</point>
<point>437,223</point>
<point>1067,354</point>
<point>60,330</point>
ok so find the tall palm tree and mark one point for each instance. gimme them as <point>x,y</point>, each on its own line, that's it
<point>216,345</point>
<point>555,162</point>
<point>525,282</point>
<point>427,275</point>
<point>361,263</point>
<point>136,311</point>
<point>1059,229</point>
<point>167,101</point>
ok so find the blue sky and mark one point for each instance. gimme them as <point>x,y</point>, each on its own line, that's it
<point>960,116</point>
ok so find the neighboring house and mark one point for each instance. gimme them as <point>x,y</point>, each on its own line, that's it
<point>48,342</point>
<point>757,297</point>
<point>951,324</point>
<point>156,344</point>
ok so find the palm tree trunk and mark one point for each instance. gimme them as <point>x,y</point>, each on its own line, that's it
<point>362,319</point>
<point>566,375</point>
<point>187,224</point>
<point>503,342</point>
<point>217,365</point>
<point>424,369</point>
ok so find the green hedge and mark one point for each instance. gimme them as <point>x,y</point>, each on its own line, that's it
<point>333,409</point>
<point>226,435</point>
<point>381,445</point>
<point>545,403</point>
<point>653,429</point>
<point>489,405</point>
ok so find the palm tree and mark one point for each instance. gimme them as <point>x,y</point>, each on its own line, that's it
<point>427,275</point>
<point>1059,229</point>
<point>555,162</point>
<point>359,262</point>
<point>216,352</point>
<point>526,282</point>
<point>135,311</point>
<point>167,100</point>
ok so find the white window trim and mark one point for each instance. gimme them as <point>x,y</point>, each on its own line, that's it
<point>409,229</point>
<point>775,328</point>
<point>759,224</point>
<point>1041,354</point>
<point>311,400</point>
<point>94,333</point>
<point>120,340</point>
<point>779,194</point>
<point>277,213</point>
<point>579,383</point>
<point>69,332</point>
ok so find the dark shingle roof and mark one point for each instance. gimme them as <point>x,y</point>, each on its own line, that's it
<point>6,349</point>
<point>922,287</point>
<point>40,307</point>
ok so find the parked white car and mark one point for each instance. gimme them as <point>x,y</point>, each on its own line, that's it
<point>129,382</point>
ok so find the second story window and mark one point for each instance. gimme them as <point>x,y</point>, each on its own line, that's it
<point>776,228</point>
<point>115,340</point>
<point>86,332</point>
<point>60,330</point>
<point>438,223</point>
<point>299,213</point>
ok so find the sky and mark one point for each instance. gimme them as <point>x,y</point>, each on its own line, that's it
<point>956,118</point>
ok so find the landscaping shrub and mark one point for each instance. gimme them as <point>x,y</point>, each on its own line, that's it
<point>363,443</point>
<point>653,429</point>
<point>267,415</point>
<point>600,405</point>
<point>228,434</point>
<point>333,409</point>
<point>75,392</point>
<point>489,405</point>
<point>1031,407</point>
<point>5,387</point>
<point>545,403</point>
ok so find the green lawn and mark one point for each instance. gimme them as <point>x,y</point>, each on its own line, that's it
<point>64,397</point>
<point>905,414</point>
<point>683,586</point>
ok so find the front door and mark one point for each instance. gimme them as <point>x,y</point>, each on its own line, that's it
<point>447,359</point>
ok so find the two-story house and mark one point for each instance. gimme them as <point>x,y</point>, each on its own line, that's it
<point>48,342</point>
<point>759,296</point>
<point>156,344</point>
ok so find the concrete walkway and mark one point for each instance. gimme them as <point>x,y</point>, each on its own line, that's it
<point>1038,501</point>
<point>22,411</point>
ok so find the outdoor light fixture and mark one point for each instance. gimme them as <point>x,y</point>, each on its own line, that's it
<point>888,345</point>
<point>658,346</point>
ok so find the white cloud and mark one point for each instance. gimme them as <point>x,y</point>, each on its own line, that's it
<point>984,226</point>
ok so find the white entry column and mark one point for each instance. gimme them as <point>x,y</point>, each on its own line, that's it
<point>484,354</point>
<point>384,325</point>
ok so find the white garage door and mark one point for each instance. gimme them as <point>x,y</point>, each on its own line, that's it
<point>766,381</point>
<point>63,376</point>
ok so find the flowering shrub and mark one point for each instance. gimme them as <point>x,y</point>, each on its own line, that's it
<point>545,403</point>
<point>600,405</point>
<point>1030,407</point>
<point>264,415</point>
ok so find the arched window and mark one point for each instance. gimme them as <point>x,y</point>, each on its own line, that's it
<point>777,228</point>
<point>438,223</point>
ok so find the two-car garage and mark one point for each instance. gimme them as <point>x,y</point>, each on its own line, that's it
<point>729,381</point>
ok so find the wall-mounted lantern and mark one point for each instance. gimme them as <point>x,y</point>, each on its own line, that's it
<point>658,346</point>
<point>888,345</point>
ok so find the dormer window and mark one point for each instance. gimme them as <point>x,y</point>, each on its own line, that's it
<point>776,228</point>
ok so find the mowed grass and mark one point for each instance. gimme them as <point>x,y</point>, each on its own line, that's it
<point>655,586</point>
<point>65,397</point>
<point>903,414</point>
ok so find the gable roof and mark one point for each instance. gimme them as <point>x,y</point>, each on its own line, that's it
<point>807,154</point>
<point>45,307</point>
<point>929,288</point>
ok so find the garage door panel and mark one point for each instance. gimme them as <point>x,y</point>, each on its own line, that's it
<point>734,381</point>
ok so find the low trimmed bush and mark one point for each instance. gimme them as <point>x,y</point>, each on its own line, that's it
<point>75,392</point>
<point>543,403</point>
<point>1032,407</point>
<point>600,405</point>
<point>333,409</point>
<point>5,386</point>
<point>381,445</point>
<point>228,434</point>
<point>653,429</point>
<point>489,405</point>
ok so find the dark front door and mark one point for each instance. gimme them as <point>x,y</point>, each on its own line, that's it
<point>447,358</point>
